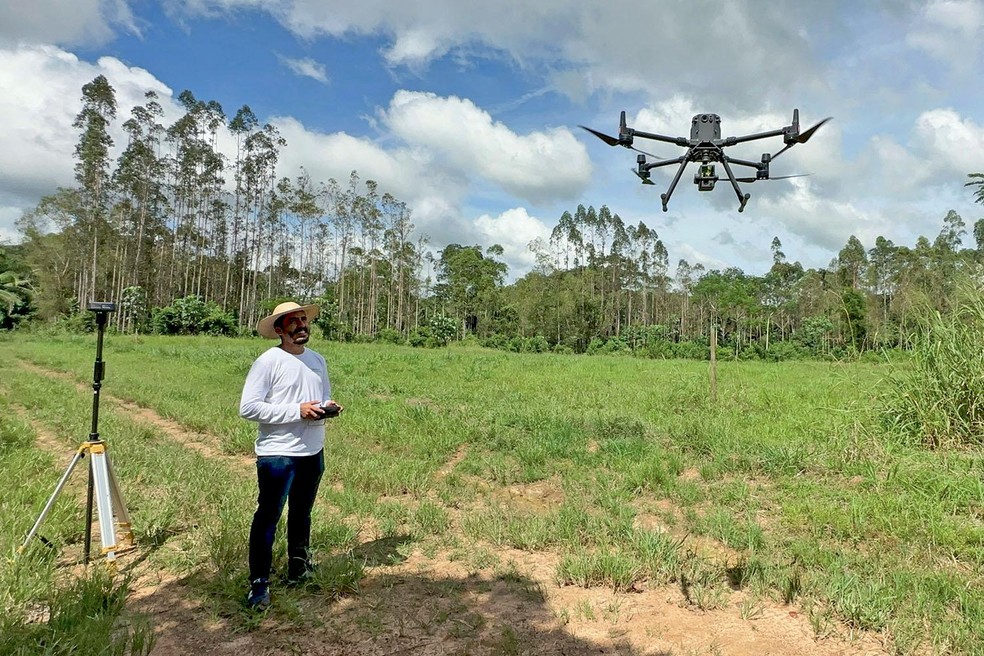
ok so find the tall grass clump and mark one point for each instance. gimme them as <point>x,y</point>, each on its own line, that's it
<point>938,398</point>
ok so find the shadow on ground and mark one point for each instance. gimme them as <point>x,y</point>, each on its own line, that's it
<point>401,607</point>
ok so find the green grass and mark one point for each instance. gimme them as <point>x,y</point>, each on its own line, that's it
<point>787,486</point>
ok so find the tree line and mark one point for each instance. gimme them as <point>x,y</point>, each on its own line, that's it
<point>187,238</point>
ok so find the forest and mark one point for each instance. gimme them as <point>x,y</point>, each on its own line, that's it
<point>187,239</point>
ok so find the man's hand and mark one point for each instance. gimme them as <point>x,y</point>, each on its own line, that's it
<point>311,410</point>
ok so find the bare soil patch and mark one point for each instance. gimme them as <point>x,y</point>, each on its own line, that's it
<point>431,605</point>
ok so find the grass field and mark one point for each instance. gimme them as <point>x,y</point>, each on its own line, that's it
<point>785,491</point>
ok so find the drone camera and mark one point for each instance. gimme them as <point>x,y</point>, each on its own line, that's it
<point>705,178</point>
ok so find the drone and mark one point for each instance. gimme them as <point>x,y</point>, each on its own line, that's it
<point>706,147</point>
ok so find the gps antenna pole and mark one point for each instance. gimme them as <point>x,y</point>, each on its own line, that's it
<point>102,311</point>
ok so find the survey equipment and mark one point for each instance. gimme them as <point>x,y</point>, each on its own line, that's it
<point>115,531</point>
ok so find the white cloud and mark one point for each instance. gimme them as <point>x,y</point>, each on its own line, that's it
<point>951,31</point>
<point>513,229</point>
<point>954,142</point>
<point>538,167</point>
<point>57,21</point>
<point>621,46</point>
<point>42,90</point>
<point>306,67</point>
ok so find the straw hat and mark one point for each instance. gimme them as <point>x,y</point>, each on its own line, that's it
<point>265,325</point>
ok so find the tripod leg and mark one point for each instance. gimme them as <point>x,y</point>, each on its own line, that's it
<point>87,546</point>
<point>104,500</point>
<point>121,513</point>
<point>54,495</point>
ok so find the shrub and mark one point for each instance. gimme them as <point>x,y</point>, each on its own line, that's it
<point>443,328</point>
<point>595,345</point>
<point>418,337</point>
<point>78,322</point>
<point>939,397</point>
<point>389,336</point>
<point>616,346</point>
<point>691,350</point>
<point>496,341</point>
<point>193,316</point>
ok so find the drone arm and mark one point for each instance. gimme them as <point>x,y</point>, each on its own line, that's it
<point>731,141</point>
<point>666,162</point>
<point>677,141</point>
<point>743,162</point>
<point>742,198</point>
<point>782,150</point>
<point>676,178</point>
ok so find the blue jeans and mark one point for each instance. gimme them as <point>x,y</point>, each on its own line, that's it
<point>291,480</point>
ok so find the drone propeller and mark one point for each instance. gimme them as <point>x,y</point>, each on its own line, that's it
<point>612,141</point>
<point>805,136</point>
<point>645,179</point>
<point>777,177</point>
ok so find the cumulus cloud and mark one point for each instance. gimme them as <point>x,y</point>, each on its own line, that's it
<point>513,229</point>
<point>42,90</point>
<point>67,23</point>
<point>540,166</point>
<point>955,142</point>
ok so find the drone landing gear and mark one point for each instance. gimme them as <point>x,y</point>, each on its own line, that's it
<point>742,200</point>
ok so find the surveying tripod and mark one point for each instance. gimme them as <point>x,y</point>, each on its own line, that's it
<point>102,480</point>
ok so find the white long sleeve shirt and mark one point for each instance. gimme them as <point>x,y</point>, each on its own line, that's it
<point>276,386</point>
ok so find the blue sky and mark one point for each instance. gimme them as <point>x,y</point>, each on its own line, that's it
<point>468,111</point>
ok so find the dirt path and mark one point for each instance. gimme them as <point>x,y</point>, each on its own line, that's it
<point>204,443</point>
<point>436,603</point>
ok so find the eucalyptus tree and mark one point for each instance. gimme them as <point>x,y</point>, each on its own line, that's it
<point>196,173</point>
<point>852,260</point>
<point>399,251</point>
<point>946,256</point>
<point>261,154</point>
<point>345,204</point>
<point>778,292</point>
<point>883,283</point>
<point>92,172</point>
<point>370,229</point>
<point>139,180</point>
<point>687,276</point>
<point>566,237</point>
<point>242,125</point>
<point>311,242</point>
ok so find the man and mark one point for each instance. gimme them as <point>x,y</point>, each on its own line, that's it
<point>288,394</point>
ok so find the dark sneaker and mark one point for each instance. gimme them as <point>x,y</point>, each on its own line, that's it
<point>259,594</point>
<point>299,571</point>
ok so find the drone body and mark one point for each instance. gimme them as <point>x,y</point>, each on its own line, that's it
<point>706,147</point>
